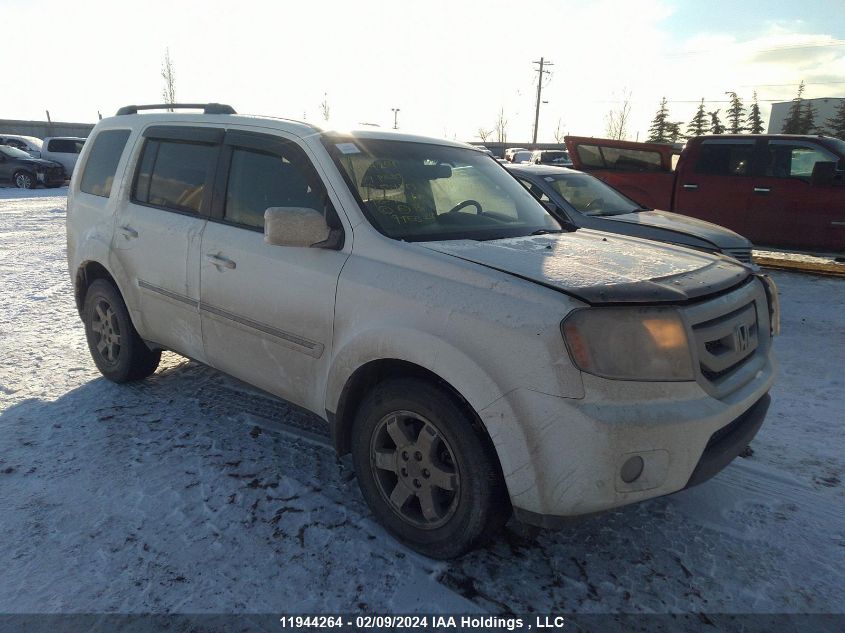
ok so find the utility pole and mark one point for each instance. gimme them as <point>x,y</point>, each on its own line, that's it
<point>395,118</point>
<point>540,72</point>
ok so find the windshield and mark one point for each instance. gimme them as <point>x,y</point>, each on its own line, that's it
<point>590,195</point>
<point>13,152</point>
<point>425,192</point>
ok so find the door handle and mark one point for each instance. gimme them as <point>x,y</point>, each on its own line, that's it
<point>686,186</point>
<point>127,232</point>
<point>837,223</point>
<point>220,262</point>
<point>762,189</point>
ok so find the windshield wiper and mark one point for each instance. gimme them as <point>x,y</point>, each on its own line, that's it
<point>546,231</point>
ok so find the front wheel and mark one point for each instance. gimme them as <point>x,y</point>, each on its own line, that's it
<point>24,180</point>
<point>426,469</point>
<point>118,351</point>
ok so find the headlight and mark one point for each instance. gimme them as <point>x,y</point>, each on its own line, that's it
<point>774,303</point>
<point>629,343</point>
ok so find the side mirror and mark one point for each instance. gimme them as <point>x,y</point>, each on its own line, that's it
<point>295,226</point>
<point>824,173</point>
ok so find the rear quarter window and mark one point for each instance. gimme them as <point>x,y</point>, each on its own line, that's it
<point>102,162</point>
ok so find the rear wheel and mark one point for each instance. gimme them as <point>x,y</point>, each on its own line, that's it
<point>426,469</point>
<point>118,351</point>
<point>24,180</point>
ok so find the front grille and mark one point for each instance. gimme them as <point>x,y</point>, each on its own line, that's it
<point>741,254</point>
<point>730,338</point>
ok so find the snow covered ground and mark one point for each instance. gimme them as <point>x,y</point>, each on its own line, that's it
<point>188,492</point>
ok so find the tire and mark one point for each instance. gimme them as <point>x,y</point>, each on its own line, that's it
<point>427,470</point>
<point>117,350</point>
<point>24,180</point>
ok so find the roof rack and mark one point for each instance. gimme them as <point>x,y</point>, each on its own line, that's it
<point>207,108</point>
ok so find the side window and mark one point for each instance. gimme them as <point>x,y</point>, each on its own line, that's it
<point>173,174</point>
<point>631,159</point>
<point>13,142</point>
<point>259,180</point>
<point>725,159</point>
<point>590,156</point>
<point>64,146</point>
<point>786,160</point>
<point>102,162</point>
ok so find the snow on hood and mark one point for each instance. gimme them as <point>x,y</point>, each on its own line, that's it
<point>601,267</point>
<point>717,235</point>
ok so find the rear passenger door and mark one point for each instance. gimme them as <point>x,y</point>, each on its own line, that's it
<point>158,231</point>
<point>268,311</point>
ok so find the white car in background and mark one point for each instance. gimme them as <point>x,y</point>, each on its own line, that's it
<point>28,144</point>
<point>63,150</point>
<point>522,157</point>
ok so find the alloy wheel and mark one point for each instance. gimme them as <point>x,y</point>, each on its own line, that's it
<point>23,181</point>
<point>106,330</point>
<point>415,469</point>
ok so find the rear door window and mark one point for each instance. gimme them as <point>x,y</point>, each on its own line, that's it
<point>102,162</point>
<point>725,159</point>
<point>174,174</point>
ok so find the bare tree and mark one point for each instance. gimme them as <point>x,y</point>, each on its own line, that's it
<point>559,132</point>
<point>501,127</point>
<point>168,93</point>
<point>325,111</point>
<point>616,119</point>
<point>483,134</point>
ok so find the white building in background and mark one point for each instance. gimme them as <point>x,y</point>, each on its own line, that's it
<point>825,109</point>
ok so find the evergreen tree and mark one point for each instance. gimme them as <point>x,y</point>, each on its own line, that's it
<point>673,131</point>
<point>836,125</point>
<point>754,122</point>
<point>698,125</point>
<point>716,126</point>
<point>658,131</point>
<point>735,113</point>
<point>794,119</point>
<point>808,119</point>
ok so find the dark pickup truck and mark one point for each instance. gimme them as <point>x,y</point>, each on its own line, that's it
<point>777,190</point>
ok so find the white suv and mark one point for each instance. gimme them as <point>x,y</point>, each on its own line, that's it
<point>474,357</point>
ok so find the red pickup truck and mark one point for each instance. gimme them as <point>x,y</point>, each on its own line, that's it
<point>776,190</point>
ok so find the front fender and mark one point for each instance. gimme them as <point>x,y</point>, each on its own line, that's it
<point>412,346</point>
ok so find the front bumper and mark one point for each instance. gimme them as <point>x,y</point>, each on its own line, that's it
<point>563,458</point>
<point>724,446</point>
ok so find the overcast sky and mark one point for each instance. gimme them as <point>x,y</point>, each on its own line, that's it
<point>448,66</point>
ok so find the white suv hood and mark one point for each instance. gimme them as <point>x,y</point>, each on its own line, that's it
<point>601,267</point>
